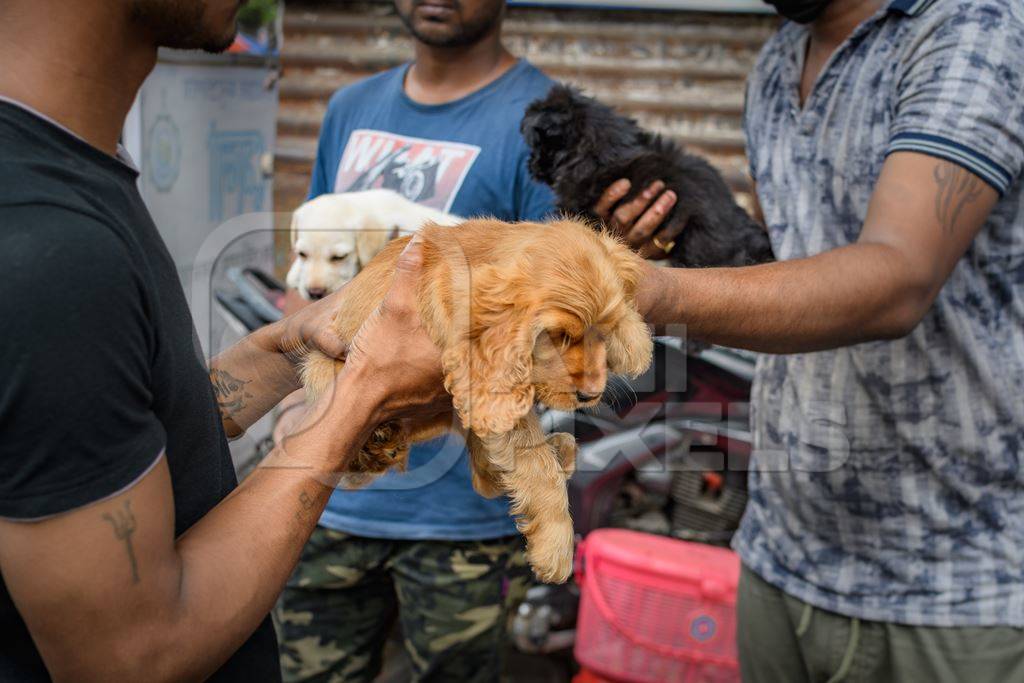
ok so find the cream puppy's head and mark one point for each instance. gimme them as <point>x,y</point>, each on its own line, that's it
<point>325,259</point>
<point>335,235</point>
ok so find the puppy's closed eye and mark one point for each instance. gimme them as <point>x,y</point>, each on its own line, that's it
<point>338,259</point>
<point>560,339</point>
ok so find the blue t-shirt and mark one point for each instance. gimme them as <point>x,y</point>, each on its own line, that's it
<point>467,158</point>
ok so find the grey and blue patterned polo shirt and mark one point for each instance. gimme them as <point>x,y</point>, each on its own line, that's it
<point>888,482</point>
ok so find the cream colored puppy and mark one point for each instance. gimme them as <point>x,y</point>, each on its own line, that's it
<point>335,235</point>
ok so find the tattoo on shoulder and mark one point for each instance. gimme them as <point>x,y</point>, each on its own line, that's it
<point>957,187</point>
<point>230,392</point>
<point>123,522</point>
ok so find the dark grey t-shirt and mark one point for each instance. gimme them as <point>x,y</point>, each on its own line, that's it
<point>100,372</point>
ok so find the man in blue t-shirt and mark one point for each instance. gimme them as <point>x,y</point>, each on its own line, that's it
<point>444,132</point>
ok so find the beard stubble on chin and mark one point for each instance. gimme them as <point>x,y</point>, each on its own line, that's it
<point>462,35</point>
<point>182,25</point>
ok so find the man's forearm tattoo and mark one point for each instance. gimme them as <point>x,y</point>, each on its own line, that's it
<point>123,522</point>
<point>307,502</point>
<point>958,187</point>
<point>230,392</point>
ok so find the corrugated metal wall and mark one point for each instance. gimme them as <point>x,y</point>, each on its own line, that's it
<point>678,73</point>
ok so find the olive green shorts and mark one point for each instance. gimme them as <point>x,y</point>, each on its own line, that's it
<point>784,640</point>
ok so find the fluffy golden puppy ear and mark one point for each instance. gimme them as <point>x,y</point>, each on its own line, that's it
<point>488,370</point>
<point>628,265</point>
<point>629,346</point>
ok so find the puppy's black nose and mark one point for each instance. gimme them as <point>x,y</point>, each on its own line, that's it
<point>316,293</point>
<point>586,398</point>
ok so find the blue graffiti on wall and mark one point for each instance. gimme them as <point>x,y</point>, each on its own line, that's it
<point>236,182</point>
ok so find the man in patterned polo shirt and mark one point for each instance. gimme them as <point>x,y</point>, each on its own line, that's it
<point>884,539</point>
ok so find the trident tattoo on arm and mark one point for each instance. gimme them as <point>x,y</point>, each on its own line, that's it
<point>123,522</point>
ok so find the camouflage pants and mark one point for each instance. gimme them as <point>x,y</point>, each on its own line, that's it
<point>451,597</point>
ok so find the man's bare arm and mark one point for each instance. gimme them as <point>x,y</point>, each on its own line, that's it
<point>255,374</point>
<point>923,216</point>
<point>107,591</point>
<point>108,594</point>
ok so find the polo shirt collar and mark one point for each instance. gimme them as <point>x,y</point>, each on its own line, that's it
<point>910,8</point>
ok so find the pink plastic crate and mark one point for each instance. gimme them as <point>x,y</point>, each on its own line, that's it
<point>657,610</point>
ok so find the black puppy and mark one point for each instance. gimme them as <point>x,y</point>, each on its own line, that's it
<point>580,146</point>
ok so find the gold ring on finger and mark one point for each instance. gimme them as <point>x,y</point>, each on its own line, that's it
<point>664,247</point>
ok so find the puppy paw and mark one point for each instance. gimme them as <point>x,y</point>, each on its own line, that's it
<point>485,484</point>
<point>387,448</point>
<point>549,549</point>
<point>564,446</point>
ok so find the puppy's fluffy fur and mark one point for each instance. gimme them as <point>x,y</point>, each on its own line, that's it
<point>335,235</point>
<point>522,313</point>
<point>581,146</point>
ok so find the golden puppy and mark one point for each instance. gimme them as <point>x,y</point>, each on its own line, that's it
<point>522,313</point>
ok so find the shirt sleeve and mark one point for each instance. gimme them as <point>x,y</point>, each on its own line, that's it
<point>959,92</point>
<point>319,183</point>
<point>535,201</point>
<point>75,359</point>
<point>325,168</point>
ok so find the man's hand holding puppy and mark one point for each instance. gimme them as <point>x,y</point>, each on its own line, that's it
<point>639,221</point>
<point>409,382</point>
<point>264,365</point>
<point>389,385</point>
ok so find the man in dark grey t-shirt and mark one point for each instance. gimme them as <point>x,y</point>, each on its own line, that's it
<point>128,551</point>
